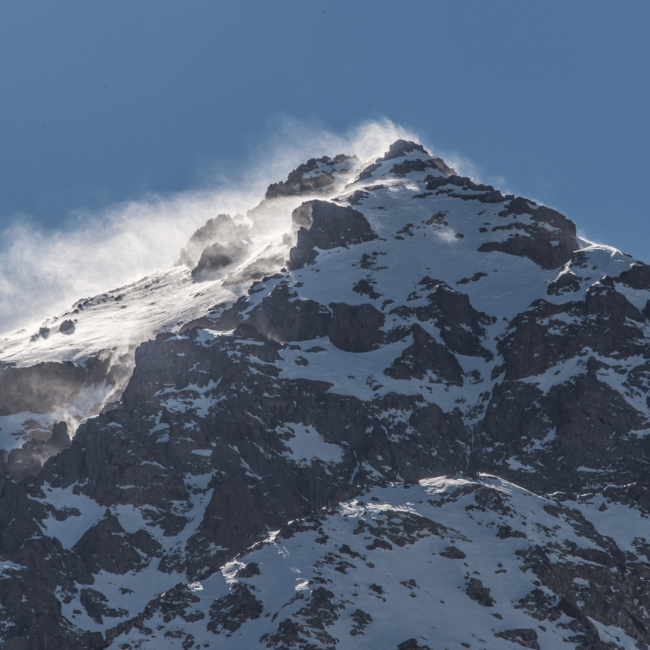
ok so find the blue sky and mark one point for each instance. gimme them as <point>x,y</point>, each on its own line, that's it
<point>103,102</point>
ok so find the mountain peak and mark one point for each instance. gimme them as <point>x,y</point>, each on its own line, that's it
<point>404,393</point>
<point>416,158</point>
<point>400,148</point>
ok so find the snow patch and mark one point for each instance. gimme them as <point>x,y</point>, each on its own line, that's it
<point>306,445</point>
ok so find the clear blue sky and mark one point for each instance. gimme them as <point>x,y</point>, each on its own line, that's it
<point>104,101</point>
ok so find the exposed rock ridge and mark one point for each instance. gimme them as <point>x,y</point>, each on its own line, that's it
<point>314,176</point>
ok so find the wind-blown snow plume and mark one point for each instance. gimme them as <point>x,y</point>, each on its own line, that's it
<point>42,273</point>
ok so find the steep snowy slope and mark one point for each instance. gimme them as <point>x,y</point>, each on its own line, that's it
<point>406,324</point>
<point>447,563</point>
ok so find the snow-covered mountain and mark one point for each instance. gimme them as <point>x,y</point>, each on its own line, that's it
<point>388,407</point>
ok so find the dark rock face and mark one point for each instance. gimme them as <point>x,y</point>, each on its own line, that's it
<point>548,248</point>
<point>425,355</point>
<point>229,613</point>
<point>485,193</point>
<point>530,347</point>
<point>218,256</point>
<point>28,459</point>
<point>453,553</point>
<point>606,598</point>
<point>94,602</point>
<point>506,532</point>
<point>564,283</point>
<point>106,546</point>
<point>47,387</point>
<point>356,328</point>
<point>135,469</point>
<point>411,644</point>
<point>230,317</point>
<point>586,419</point>
<point>326,225</point>
<point>525,637</point>
<point>42,388</point>
<point>303,252</point>
<point>461,326</point>
<point>419,165</point>
<point>281,317</point>
<point>251,570</point>
<point>365,288</point>
<point>367,172</point>
<point>357,197</point>
<point>549,240</point>
<point>638,277</point>
<point>476,591</point>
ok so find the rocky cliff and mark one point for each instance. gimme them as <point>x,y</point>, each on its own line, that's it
<point>412,415</point>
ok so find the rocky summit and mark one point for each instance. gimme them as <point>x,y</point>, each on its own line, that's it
<point>388,407</point>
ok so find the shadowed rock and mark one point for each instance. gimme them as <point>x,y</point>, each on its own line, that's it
<point>550,248</point>
<point>29,458</point>
<point>356,328</point>
<point>326,225</point>
<point>218,256</point>
<point>605,322</point>
<point>230,612</point>
<point>485,193</point>
<point>424,355</point>
<point>564,283</point>
<point>94,602</point>
<point>42,388</point>
<point>453,553</point>
<point>282,317</point>
<point>476,591</point>
<point>106,546</point>
<point>637,277</point>
<point>525,637</point>
<point>461,326</point>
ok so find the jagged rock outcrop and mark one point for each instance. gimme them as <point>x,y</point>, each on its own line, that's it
<point>218,256</point>
<point>549,240</point>
<point>314,176</point>
<point>220,229</point>
<point>461,326</point>
<point>284,317</point>
<point>423,356</point>
<point>325,225</point>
